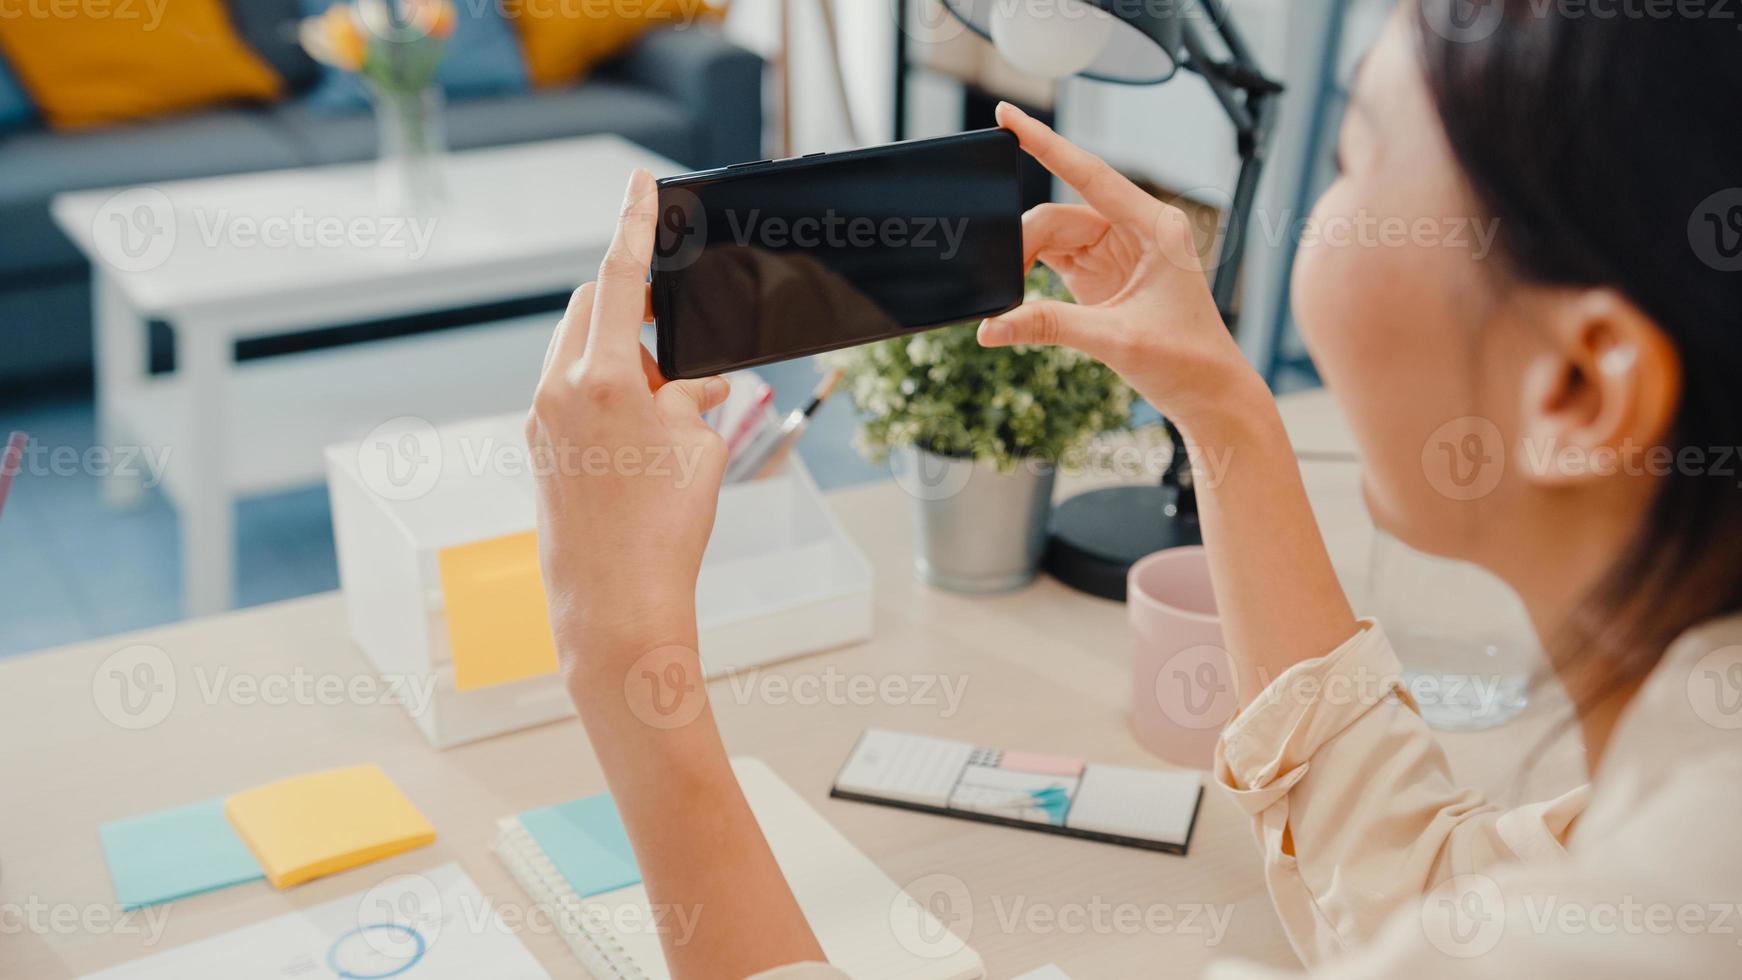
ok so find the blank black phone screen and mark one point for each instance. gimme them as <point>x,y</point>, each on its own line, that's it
<point>804,256</point>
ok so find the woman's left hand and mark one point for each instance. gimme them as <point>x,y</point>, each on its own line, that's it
<point>628,472</point>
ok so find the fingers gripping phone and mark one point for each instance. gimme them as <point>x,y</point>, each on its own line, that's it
<point>766,261</point>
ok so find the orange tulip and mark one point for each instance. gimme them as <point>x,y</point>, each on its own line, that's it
<point>334,38</point>
<point>430,18</point>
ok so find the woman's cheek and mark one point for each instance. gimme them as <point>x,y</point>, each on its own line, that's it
<point>1360,309</point>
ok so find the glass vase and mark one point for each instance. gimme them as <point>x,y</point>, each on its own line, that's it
<point>1461,635</point>
<point>411,149</point>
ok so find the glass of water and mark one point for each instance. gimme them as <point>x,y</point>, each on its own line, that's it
<point>1466,645</point>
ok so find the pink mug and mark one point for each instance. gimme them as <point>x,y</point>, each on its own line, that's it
<point>1182,684</point>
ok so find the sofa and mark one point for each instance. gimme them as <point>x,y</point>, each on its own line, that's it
<point>688,94</point>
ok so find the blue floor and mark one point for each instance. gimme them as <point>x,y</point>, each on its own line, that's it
<point>72,569</point>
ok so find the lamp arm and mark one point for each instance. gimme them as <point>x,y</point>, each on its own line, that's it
<point>1248,96</point>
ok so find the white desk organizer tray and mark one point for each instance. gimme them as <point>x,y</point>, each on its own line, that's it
<point>779,578</point>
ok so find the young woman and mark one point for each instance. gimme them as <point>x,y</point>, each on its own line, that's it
<point>1597,355</point>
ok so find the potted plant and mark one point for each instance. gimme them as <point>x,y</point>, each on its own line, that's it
<point>976,435</point>
<point>395,47</point>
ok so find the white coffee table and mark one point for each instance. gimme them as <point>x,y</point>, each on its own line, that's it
<point>228,258</point>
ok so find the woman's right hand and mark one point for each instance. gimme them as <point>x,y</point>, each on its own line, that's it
<point>1143,305</point>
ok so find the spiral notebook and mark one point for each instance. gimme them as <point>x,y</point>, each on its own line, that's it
<point>866,924</point>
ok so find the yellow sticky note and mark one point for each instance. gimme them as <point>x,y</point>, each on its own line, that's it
<point>325,822</point>
<point>498,624</point>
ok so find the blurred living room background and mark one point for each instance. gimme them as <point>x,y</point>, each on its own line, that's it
<point>104,101</point>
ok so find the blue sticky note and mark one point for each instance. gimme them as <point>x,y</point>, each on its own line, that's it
<point>586,841</point>
<point>175,853</point>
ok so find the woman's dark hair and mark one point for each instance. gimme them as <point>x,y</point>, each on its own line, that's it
<point>1606,138</point>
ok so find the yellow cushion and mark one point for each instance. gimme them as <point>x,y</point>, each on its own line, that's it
<point>565,39</point>
<point>92,64</point>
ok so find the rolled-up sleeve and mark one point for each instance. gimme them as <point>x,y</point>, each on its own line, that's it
<point>1353,803</point>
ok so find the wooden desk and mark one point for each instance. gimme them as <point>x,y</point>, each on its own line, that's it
<point>1045,668</point>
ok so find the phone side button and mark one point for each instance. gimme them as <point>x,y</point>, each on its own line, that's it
<point>750,163</point>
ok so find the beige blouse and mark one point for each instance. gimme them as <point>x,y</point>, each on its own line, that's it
<point>1381,867</point>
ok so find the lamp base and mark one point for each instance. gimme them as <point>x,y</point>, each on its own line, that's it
<point>1097,536</point>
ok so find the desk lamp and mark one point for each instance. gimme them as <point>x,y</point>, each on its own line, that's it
<point>1097,536</point>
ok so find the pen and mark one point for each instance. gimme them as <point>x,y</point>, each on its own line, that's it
<point>11,461</point>
<point>794,427</point>
<point>752,416</point>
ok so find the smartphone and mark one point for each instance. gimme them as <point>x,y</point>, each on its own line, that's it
<point>777,259</point>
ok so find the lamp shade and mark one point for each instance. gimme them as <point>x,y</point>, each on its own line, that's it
<point>1134,42</point>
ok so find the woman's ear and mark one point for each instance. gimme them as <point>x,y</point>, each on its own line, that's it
<point>1600,394</point>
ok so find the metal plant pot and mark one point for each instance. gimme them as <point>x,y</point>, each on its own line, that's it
<point>976,530</point>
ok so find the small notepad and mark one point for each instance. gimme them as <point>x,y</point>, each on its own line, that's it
<point>1146,804</point>
<point>320,823</point>
<point>170,854</point>
<point>498,626</point>
<point>1148,808</point>
<point>586,841</point>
